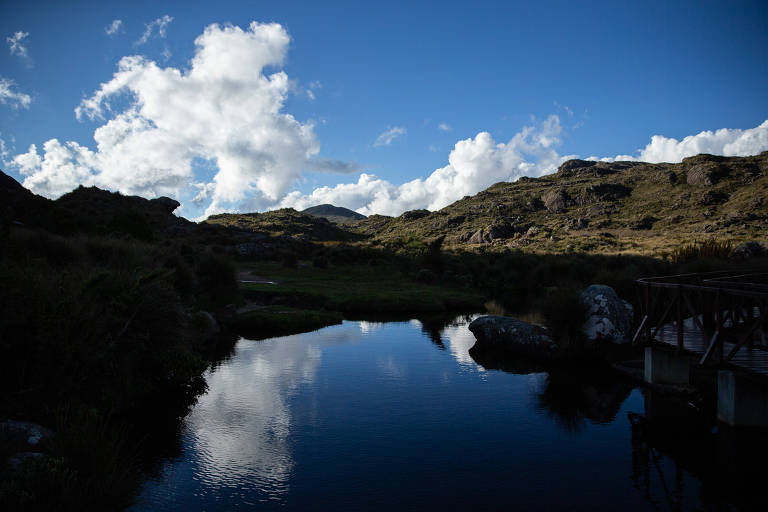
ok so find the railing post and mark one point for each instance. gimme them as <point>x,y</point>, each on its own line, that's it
<point>719,313</point>
<point>680,332</point>
<point>648,312</point>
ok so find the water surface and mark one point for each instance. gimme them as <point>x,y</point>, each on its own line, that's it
<point>398,415</point>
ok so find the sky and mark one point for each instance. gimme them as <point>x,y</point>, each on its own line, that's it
<point>252,106</point>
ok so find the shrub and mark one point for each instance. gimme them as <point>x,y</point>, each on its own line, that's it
<point>564,314</point>
<point>217,277</point>
<point>711,248</point>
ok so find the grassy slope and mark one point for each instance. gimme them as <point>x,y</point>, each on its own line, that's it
<point>735,208</point>
<point>355,288</point>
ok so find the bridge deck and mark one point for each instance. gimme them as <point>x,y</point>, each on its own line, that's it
<point>752,359</point>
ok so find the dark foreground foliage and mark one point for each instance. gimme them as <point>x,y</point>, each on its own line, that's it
<point>96,332</point>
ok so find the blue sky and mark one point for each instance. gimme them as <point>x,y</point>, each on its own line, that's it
<point>612,73</point>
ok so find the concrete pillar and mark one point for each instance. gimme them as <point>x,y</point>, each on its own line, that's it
<point>742,401</point>
<point>667,367</point>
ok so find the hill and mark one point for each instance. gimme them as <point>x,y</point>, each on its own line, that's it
<point>336,214</point>
<point>605,207</point>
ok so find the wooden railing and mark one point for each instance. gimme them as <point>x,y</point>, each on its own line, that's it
<point>722,307</point>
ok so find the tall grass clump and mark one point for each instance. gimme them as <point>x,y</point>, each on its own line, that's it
<point>711,248</point>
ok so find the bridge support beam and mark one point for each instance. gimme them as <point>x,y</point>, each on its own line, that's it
<point>667,367</point>
<point>741,401</point>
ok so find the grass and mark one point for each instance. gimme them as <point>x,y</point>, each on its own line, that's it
<point>271,321</point>
<point>354,289</point>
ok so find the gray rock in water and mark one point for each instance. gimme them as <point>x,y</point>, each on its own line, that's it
<point>23,432</point>
<point>608,317</point>
<point>513,335</point>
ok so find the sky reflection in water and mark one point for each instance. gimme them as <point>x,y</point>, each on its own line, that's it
<point>394,415</point>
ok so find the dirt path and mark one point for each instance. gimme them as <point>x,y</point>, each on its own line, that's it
<point>244,276</point>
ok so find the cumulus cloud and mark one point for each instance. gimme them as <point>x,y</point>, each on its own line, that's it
<point>155,28</point>
<point>14,99</point>
<point>386,138</point>
<point>16,44</point>
<point>725,141</point>
<point>114,27</point>
<point>473,165</point>
<point>445,127</point>
<point>223,109</point>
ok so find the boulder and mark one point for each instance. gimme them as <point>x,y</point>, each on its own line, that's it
<point>555,200</point>
<point>414,214</point>
<point>746,250</point>
<point>704,170</point>
<point>499,231</point>
<point>608,317</point>
<point>608,192</point>
<point>207,325</point>
<point>505,334</point>
<point>644,222</point>
<point>166,203</point>
<point>477,237</point>
<point>23,433</point>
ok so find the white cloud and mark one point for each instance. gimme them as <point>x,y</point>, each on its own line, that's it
<point>154,29</point>
<point>16,44</point>
<point>725,141</point>
<point>114,27</point>
<point>473,165</point>
<point>223,109</point>
<point>14,99</point>
<point>5,150</point>
<point>444,127</point>
<point>386,138</point>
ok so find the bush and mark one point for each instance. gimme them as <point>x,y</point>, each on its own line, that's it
<point>711,248</point>
<point>218,286</point>
<point>564,314</point>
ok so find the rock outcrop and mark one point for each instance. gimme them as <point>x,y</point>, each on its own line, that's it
<point>608,317</point>
<point>505,334</point>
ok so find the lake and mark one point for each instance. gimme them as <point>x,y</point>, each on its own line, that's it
<point>398,415</point>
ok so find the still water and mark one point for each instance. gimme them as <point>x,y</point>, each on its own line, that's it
<point>398,415</point>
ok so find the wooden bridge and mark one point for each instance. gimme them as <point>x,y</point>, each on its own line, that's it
<point>719,316</point>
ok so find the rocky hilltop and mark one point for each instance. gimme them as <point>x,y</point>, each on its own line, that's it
<point>337,214</point>
<point>608,207</point>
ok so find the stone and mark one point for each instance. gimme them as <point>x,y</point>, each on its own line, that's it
<point>608,317</point>
<point>414,214</point>
<point>166,203</point>
<point>499,231</point>
<point>555,200</point>
<point>704,170</point>
<point>746,250</point>
<point>604,192</point>
<point>477,237</point>
<point>506,334</point>
<point>209,327</point>
<point>644,222</point>
<point>532,231</point>
<point>23,432</point>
